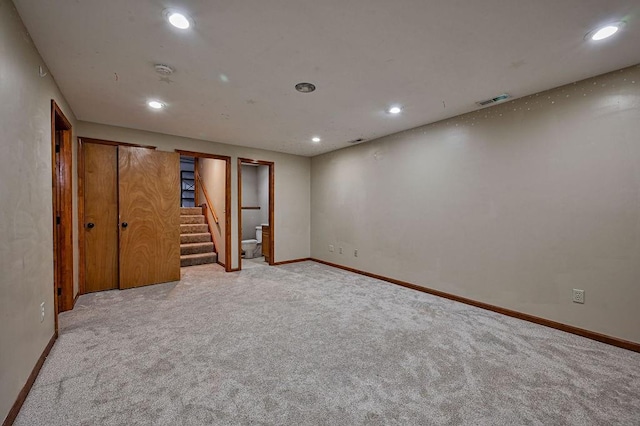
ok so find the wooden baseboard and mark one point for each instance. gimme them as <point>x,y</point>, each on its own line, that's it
<point>22,396</point>
<point>75,299</point>
<point>285,262</point>
<point>614,341</point>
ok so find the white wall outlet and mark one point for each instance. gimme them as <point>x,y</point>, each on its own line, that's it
<point>578,295</point>
<point>340,250</point>
<point>331,248</point>
<point>42,312</point>
<point>355,253</point>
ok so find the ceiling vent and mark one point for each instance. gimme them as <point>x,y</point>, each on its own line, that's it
<point>163,69</point>
<point>497,99</point>
<point>355,141</point>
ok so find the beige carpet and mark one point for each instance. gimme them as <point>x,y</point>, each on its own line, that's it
<point>306,344</point>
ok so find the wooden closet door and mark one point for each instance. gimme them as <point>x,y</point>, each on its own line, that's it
<point>149,198</point>
<point>101,216</point>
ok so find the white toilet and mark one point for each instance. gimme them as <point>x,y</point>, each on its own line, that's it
<point>250,247</point>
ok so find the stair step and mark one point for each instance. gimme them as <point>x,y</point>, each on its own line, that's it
<point>190,211</point>
<point>193,229</point>
<point>204,237</point>
<point>198,259</point>
<point>192,219</point>
<point>194,248</point>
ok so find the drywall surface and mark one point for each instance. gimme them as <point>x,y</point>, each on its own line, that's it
<point>263,194</point>
<point>292,182</point>
<point>26,230</point>
<point>513,205</point>
<point>250,218</point>
<point>213,173</point>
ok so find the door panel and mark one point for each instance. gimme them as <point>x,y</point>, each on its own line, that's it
<point>149,200</point>
<point>101,216</point>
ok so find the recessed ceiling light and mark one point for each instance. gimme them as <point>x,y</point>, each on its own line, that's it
<point>604,32</point>
<point>177,19</point>
<point>394,110</point>
<point>305,87</point>
<point>315,139</point>
<point>155,104</point>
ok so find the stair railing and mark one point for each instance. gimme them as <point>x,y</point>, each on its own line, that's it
<point>206,196</point>
<point>206,208</point>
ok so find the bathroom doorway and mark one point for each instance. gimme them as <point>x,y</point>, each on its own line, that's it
<point>255,211</point>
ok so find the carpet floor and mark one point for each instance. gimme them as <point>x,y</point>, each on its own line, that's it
<point>307,344</point>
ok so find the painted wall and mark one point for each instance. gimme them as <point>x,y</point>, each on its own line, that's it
<point>26,231</point>
<point>213,173</point>
<point>513,205</point>
<point>250,218</point>
<point>263,194</point>
<point>292,182</point>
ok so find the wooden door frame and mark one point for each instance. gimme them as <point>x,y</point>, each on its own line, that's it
<point>227,198</point>
<point>62,183</point>
<point>81,216</point>
<point>272,181</point>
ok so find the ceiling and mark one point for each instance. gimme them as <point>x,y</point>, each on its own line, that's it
<point>236,68</point>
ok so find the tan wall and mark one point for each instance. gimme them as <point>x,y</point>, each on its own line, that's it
<point>26,232</point>
<point>292,183</point>
<point>213,173</point>
<point>512,205</point>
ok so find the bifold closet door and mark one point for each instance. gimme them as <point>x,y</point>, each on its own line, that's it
<point>149,204</point>
<point>101,216</point>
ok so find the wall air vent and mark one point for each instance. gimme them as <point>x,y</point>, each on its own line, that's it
<point>355,141</point>
<point>498,98</point>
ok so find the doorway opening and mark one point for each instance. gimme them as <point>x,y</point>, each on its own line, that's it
<point>205,230</point>
<point>255,211</point>
<point>62,211</point>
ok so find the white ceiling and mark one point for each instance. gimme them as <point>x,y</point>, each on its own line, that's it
<point>436,58</point>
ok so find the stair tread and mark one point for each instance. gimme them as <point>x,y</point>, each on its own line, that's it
<point>204,243</point>
<point>188,211</point>
<point>199,228</point>
<point>197,255</point>
<point>194,247</point>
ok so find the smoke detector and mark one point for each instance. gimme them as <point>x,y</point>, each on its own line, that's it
<point>163,69</point>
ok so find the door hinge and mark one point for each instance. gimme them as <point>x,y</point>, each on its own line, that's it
<point>57,148</point>
<point>58,220</point>
<point>59,291</point>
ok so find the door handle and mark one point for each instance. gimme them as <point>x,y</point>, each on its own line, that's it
<point>125,224</point>
<point>90,225</point>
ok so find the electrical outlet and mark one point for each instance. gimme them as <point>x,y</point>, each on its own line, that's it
<point>340,250</point>
<point>42,312</point>
<point>355,253</point>
<point>331,248</point>
<point>578,295</point>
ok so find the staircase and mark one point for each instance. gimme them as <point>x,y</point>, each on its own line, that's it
<point>196,244</point>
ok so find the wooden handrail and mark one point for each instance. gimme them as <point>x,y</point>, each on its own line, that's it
<point>206,196</point>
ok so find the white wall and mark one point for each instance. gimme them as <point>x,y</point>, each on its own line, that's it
<point>26,232</point>
<point>263,194</point>
<point>292,183</point>
<point>513,205</point>
<point>250,218</point>
<point>213,173</point>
